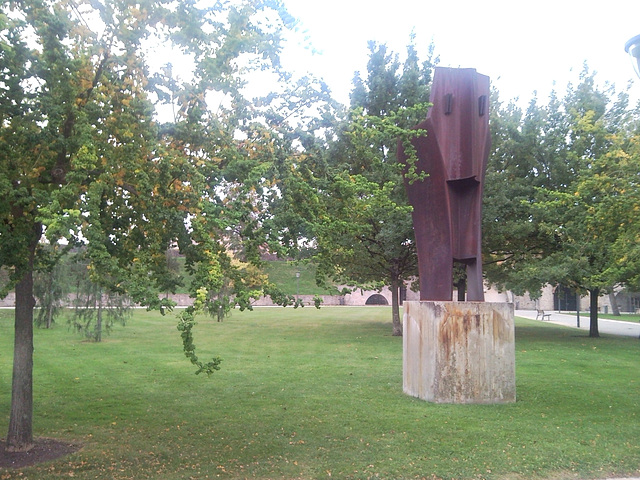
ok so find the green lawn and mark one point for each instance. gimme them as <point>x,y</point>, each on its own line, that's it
<point>626,317</point>
<point>317,394</point>
<point>283,274</point>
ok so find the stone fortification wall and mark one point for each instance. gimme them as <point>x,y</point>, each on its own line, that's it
<point>360,297</point>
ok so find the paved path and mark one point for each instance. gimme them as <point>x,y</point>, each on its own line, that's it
<point>613,327</point>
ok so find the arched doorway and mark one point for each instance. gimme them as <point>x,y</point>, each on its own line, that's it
<point>376,299</point>
<point>564,298</point>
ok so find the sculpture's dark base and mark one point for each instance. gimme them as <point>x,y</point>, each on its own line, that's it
<point>459,352</point>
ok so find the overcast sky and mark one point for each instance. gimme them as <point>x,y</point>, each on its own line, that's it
<point>523,46</point>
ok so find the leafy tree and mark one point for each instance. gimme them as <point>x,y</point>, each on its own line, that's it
<point>95,310</point>
<point>244,282</point>
<point>361,219</point>
<point>617,184</point>
<point>50,289</point>
<point>551,180</point>
<point>521,162</point>
<point>365,239</point>
<point>84,158</point>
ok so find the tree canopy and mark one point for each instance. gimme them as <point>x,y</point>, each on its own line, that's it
<point>360,220</point>
<point>86,160</point>
<point>560,188</point>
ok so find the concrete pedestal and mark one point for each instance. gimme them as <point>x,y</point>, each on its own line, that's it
<point>459,352</point>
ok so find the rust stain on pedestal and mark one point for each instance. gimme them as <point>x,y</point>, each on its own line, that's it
<point>459,352</point>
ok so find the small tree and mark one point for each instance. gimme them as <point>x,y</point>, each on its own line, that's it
<point>243,284</point>
<point>557,198</point>
<point>95,309</point>
<point>51,288</point>
<point>85,160</point>
<point>365,238</point>
<point>363,226</point>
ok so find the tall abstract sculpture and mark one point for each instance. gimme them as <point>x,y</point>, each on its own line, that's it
<point>447,205</point>
<point>454,352</point>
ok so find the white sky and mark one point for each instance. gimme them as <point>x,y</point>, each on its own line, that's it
<point>523,46</point>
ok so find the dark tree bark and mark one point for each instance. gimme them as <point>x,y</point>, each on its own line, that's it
<point>20,435</point>
<point>395,308</point>
<point>49,305</point>
<point>593,312</point>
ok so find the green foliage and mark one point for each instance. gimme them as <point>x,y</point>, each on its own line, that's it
<point>50,287</point>
<point>609,196</point>
<point>87,162</point>
<point>356,206</point>
<point>549,184</point>
<point>95,310</point>
<point>284,299</point>
<point>186,322</point>
<point>560,194</point>
<point>67,283</point>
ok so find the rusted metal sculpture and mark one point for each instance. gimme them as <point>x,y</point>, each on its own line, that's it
<point>447,205</point>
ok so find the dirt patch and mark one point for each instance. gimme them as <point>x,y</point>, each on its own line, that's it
<point>44,450</point>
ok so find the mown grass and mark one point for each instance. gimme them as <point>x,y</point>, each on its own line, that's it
<point>317,394</point>
<point>283,274</point>
<point>625,317</point>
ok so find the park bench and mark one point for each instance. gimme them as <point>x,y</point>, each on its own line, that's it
<point>542,315</point>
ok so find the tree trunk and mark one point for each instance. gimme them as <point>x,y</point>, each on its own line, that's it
<point>98,333</point>
<point>593,313</point>
<point>49,303</point>
<point>615,309</point>
<point>20,436</point>
<point>51,300</point>
<point>395,308</point>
